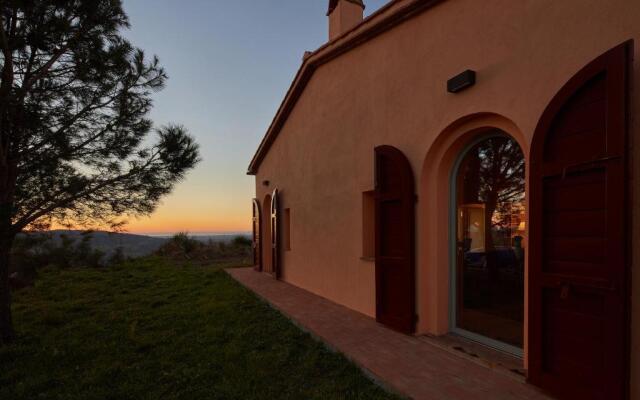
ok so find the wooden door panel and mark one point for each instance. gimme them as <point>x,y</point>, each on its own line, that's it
<point>581,119</point>
<point>585,145</point>
<point>395,305</point>
<point>392,244</point>
<point>266,235</point>
<point>573,333</point>
<point>256,243</point>
<point>580,250</point>
<point>575,223</point>
<point>575,192</point>
<point>578,262</point>
<point>275,235</point>
<point>395,213</point>
<point>564,322</point>
<point>580,125</point>
<point>573,268</point>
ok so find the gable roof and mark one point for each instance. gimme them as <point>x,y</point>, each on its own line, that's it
<point>387,17</point>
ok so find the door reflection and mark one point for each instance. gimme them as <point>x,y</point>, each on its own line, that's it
<point>490,219</point>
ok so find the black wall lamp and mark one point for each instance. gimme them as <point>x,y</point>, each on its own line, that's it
<point>461,81</point>
<point>265,183</point>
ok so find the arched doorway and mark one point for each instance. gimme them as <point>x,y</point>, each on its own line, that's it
<point>266,235</point>
<point>579,263</point>
<point>434,252</point>
<point>488,247</point>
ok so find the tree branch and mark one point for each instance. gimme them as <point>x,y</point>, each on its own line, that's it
<point>42,71</point>
<point>32,58</point>
<point>4,42</point>
<point>69,123</point>
<point>32,216</point>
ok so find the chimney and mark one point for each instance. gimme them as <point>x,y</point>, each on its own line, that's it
<point>344,15</point>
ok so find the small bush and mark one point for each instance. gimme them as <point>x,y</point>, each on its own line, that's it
<point>179,245</point>
<point>242,241</point>
<point>185,242</point>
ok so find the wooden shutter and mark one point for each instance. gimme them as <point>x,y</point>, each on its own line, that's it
<point>579,236</point>
<point>395,240</point>
<point>275,234</point>
<point>257,249</point>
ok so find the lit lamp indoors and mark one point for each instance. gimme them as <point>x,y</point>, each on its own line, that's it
<point>522,227</point>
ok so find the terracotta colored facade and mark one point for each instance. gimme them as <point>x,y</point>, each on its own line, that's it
<point>384,83</point>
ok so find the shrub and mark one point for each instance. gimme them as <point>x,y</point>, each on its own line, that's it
<point>185,242</point>
<point>242,241</point>
<point>180,244</point>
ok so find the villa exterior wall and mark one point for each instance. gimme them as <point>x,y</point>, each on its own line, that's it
<point>392,90</point>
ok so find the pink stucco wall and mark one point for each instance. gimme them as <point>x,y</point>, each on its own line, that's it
<point>391,90</point>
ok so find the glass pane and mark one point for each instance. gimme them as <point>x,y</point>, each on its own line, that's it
<point>490,244</point>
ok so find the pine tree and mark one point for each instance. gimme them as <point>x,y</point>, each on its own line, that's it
<point>74,102</point>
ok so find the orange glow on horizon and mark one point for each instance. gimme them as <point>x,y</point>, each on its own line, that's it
<point>168,224</point>
<point>167,221</point>
<point>201,205</point>
<point>150,225</point>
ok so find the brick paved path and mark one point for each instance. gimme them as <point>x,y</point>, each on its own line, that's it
<point>405,364</point>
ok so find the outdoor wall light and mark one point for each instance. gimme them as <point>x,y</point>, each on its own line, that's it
<point>461,81</point>
<point>265,183</point>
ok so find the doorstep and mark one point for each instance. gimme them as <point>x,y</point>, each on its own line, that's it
<point>498,361</point>
<point>416,367</point>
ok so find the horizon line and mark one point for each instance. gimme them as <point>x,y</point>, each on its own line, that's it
<point>168,232</point>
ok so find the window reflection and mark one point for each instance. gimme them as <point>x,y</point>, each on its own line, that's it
<point>490,240</point>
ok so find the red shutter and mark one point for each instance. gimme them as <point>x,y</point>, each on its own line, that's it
<point>579,236</point>
<point>275,235</point>
<point>257,250</point>
<point>395,240</point>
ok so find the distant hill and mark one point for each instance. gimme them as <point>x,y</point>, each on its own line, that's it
<point>207,237</point>
<point>132,245</point>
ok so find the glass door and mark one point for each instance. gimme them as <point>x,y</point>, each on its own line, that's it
<point>488,290</point>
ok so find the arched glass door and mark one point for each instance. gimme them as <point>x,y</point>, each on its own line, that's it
<point>489,246</point>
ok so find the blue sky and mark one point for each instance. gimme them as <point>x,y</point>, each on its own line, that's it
<point>229,65</point>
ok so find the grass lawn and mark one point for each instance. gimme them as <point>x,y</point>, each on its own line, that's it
<point>151,330</point>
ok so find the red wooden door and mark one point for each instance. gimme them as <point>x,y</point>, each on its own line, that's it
<point>578,324</point>
<point>395,236</point>
<point>257,249</point>
<point>275,235</point>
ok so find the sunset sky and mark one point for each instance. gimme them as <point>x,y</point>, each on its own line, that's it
<point>229,64</point>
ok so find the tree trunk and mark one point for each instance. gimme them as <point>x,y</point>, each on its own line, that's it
<point>7,334</point>
<point>489,247</point>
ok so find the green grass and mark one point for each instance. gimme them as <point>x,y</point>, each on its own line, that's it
<point>151,330</point>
